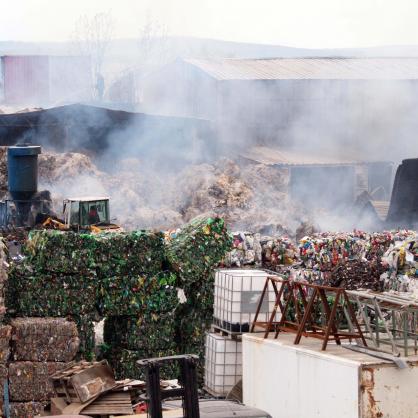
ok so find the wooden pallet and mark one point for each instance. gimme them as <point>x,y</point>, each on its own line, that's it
<point>110,403</point>
<point>83,381</point>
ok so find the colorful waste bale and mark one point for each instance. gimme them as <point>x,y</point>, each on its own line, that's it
<point>44,339</point>
<point>29,381</point>
<point>246,250</point>
<point>401,260</point>
<point>279,251</point>
<point>197,248</point>
<point>325,250</point>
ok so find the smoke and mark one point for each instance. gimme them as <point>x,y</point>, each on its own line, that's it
<point>160,171</point>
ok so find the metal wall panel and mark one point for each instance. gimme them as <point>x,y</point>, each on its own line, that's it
<point>26,79</point>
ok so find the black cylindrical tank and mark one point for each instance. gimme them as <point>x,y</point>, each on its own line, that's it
<point>22,167</point>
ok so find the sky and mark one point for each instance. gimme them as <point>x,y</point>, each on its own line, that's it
<point>298,23</point>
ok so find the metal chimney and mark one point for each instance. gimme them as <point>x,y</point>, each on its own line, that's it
<point>22,168</point>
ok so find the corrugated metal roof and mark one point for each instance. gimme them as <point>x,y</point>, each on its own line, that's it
<point>310,68</point>
<point>274,156</point>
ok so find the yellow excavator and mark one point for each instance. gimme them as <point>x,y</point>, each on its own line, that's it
<point>90,214</point>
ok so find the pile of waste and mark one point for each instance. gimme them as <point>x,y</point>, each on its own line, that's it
<point>376,261</point>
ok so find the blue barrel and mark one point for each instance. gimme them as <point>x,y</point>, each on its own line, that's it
<point>22,168</point>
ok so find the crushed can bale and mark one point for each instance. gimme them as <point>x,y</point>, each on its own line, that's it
<point>29,381</point>
<point>44,339</point>
<point>358,274</point>
<point>4,374</point>
<point>194,250</point>
<point>26,409</point>
<point>5,338</point>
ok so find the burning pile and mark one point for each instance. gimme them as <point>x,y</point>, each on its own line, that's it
<point>252,197</point>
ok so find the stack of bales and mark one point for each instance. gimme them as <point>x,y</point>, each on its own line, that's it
<point>194,252</point>
<point>39,348</point>
<point>58,278</point>
<point>137,298</point>
<point>156,295</point>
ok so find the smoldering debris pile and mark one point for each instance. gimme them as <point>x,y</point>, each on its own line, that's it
<point>251,197</point>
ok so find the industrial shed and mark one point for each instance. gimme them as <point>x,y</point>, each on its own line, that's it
<point>44,79</point>
<point>287,98</point>
<point>339,181</point>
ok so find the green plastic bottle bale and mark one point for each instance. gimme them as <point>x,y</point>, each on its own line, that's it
<point>50,294</point>
<point>138,252</point>
<point>193,324</point>
<point>149,331</point>
<point>131,295</point>
<point>197,248</point>
<point>124,363</point>
<point>86,334</point>
<point>62,252</point>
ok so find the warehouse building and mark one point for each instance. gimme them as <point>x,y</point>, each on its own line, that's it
<point>41,80</point>
<point>285,98</point>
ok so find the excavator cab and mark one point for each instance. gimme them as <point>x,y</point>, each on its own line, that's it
<point>86,211</point>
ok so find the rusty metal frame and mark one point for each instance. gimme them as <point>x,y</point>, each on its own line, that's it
<point>309,297</point>
<point>394,329</point>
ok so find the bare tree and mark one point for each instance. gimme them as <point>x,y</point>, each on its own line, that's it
<point>92,37</point>
<point>153,47</point>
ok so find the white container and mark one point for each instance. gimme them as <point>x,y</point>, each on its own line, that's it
<point>295,381</point>
<point>223,363</point>
<point>237,295</point>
